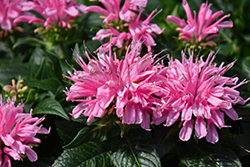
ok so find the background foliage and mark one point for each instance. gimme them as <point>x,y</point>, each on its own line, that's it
<point>73,142</point>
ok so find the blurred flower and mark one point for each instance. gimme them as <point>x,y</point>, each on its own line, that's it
<point>17,133</point>
<point>54,12</point>
<point>198,95</point>
<point>107,84</point>
<point>9,11</point>
<point>122,24</point>
<point>203,28</point>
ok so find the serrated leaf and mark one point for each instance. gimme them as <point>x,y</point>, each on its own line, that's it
<point>90,154</point>
<point>135,149</point>
<point>50,106</point>
<point>207,155</point>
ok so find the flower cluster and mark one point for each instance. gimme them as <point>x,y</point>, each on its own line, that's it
<point>17,133</point>
<point>123,25</point>
<point>140,90</point>
<point>196,93</point>
<point>203,28</point>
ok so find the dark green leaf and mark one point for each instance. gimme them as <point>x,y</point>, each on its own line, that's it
<point>49,84</point>
<point>242,144</point>
<point>166,138</point>
<point>67,130</point>
<point>95,132</point>
<point>90,154</point>
<point>246,66</point>
<point>50,106</point>
<point>135,149</point>
<point>12,72</point>
<point>207,155</point>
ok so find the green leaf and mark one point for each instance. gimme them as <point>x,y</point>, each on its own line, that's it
<point>67,130</point>
<point>90,154</point>
<point>246,67</point>
<point>31,96</point>
<point>96,132</point>
<point>207,155</point>
<point>29,40</point>
<point>166,139</point>
<point>49,84</point>
<point>135,149</point>
<point>50,106</point>
<point>242,144</point>
<point>12,72</point>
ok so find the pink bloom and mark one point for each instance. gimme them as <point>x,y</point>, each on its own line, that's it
<point>144,31</point>
<point>108,84</point>
<point>203,27</point>
<point>17,133</point>
<point>113,9</point>
<point>199,95</point>
<point>9,10</point>
<point>56,12</point>
<point>124,25</point>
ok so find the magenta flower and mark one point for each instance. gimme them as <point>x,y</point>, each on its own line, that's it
<point>122,24</point>
<point>107,84</point>
<point>17,133</point>
<point>55,12</point>
<point>9,10</point>
<point>201,28</point>
<point>199,95</point>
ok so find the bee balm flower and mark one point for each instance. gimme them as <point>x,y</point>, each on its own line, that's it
<point>17,133</point>
<point>10,10</point>
<point>123,25</point>
<point>55,12</point>
<point>199,96</point>
<point>201,28</point>
<point>107,84</point>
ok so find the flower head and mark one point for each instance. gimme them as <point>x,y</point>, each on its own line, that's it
<point>107,84</point>
<point>199,95</point>
<point>54,12</point>
<point>201,28</point>
<point>122,25</point>
<point>10,10</point>
<point>17,133</point>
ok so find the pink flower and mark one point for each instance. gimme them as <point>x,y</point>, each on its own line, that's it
<point>107,84</point>
<point>9,10</point>
<point>56,12</point>
<point>123,25</point>
<point>17,133</point>
<point>113,9</point>
<point>144,31</point>
<point>201,28</point>
<point>199,95</point>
